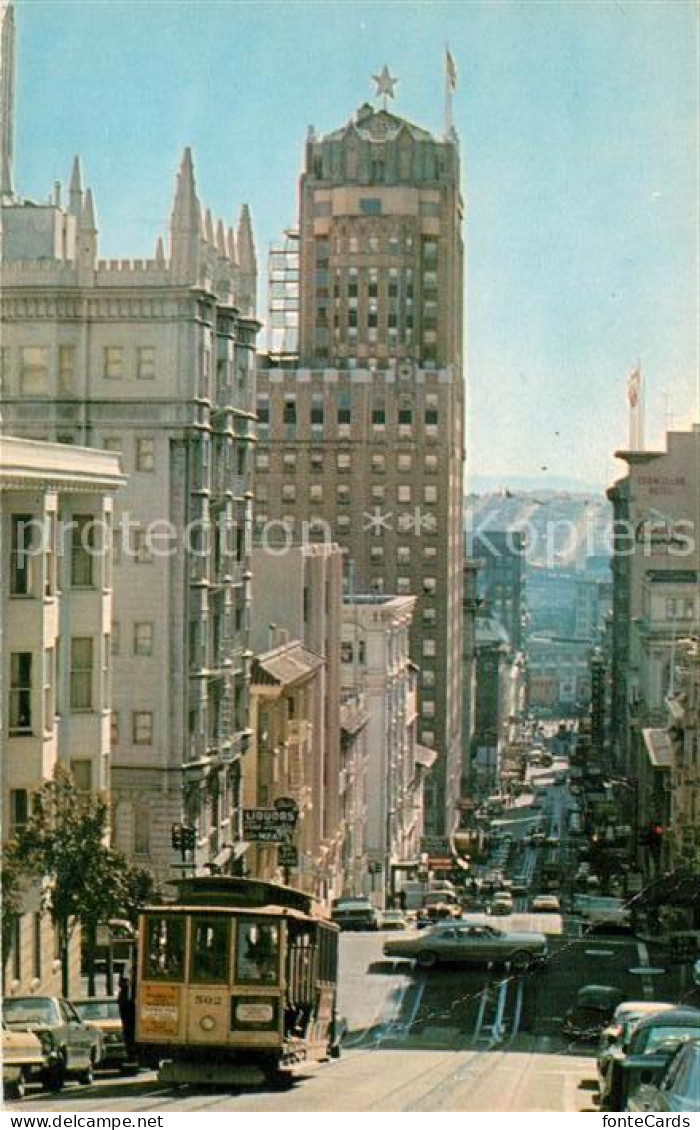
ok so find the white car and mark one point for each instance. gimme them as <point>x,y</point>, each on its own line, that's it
<point>548,904</point>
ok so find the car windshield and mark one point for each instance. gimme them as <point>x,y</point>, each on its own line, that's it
<point>651,1039</point>
<point>97,1010</point>
<point>29,1010</point>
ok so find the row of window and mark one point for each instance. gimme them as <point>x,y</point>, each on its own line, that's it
<point>343,461</point>
<point>141,728</point>
<point>36,362</point>
<point>144,450</point>
<point>405,416</point>
<point>39,923</point>
<point>141,640</point>
<point>81,694</point>
<point>29,535</point>
<point>404,493</point>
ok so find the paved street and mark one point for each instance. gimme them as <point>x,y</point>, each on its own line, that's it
<point>453,1039</point>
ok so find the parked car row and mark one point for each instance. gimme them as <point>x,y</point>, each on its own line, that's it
<point>52,1040</point>
<point>635,1054</point>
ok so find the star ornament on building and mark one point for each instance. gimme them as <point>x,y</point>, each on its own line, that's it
<point>385,84</point>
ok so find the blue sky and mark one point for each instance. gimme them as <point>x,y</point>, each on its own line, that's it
<point>579,129</point>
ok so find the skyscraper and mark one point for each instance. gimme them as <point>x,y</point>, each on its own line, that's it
<point>364,433</point>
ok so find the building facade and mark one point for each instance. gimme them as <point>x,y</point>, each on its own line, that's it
<point>56,512</point>
<point>501,578</point>
<point>366,432</point>
<point>153,359</point>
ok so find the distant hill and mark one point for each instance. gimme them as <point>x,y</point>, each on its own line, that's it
<point>488,484</point>
<point>566,529</point>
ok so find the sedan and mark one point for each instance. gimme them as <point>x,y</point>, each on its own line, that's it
<point>462,943</point>
<point>592,1011</point>
<point>548,904</point>
<point>71,1047</point>
<point>643,1057</point>
<point>103,1013</point>
<point>679,1087</point>
<point>393,920</point>
<point>618,1032</point>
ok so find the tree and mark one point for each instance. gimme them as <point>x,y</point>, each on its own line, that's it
<point>11,874</point>
<point>64,843</point>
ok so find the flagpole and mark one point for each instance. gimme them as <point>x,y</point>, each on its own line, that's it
<point>448,104</point>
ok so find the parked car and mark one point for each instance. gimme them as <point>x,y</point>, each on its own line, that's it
<point>548,904</point>
<point>618,1032</point>
<point>22,1059</point>
<point>468,943</point>
<point>679,1086</point>
<point>393,920</point>
<point>643,1057</point>
<point>601,910</point>
<point>103,1013</point>
<point>355,914</point>
<point>591,1012</point>
<point>71,1047</point>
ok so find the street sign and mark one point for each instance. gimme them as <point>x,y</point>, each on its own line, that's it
<point>269,825</point>
<point>287,804</point>
<point>288,855</point>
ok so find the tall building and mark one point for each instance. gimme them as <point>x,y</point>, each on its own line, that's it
<point>365,435</point>
<point>501,581</point>
<point>56,510</point>
<point>656,509</point>
<point>153,359</point>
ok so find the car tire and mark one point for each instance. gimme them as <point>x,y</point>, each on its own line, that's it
<point>521,960</point>
<point>426,959</point>
<point>54,1078</point>
<point>17,1089</point>
<point>87,1077</point>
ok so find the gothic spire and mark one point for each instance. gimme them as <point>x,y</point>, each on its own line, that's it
<point>75,192</point>
<point>246,243</point>
<point>185,214</point>
<point>7,98</point>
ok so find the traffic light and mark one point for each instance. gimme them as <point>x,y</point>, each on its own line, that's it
<point>176,836</point>
<point>189,838</point>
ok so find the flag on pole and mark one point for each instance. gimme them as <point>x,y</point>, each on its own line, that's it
<point>450,69</point>
<point>634,382</point>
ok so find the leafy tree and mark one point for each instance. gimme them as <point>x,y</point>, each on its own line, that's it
<point>64,842</point>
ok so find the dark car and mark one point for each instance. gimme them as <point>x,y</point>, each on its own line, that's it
<point>643,1057</point>
<point>71,1047</point>
<point>592,1011</point>
<point>678,1089</point>
<point>355,914</point>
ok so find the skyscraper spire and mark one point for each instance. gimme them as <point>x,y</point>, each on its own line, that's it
<point>75,192</point>
<point>185,223</point>
<point>247,263</point>
<point>7,98</point>
<point>221,239</point>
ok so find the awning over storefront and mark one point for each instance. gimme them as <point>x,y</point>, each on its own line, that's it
<point>658,746</point>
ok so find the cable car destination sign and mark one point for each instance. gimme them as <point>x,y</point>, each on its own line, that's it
<point>271,825</point>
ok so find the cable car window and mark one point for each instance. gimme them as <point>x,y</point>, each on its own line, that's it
<point>210,950</point>
<point>257,951</point>
<point>165,948</point>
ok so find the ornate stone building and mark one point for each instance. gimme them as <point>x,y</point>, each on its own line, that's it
<point>153,359</point>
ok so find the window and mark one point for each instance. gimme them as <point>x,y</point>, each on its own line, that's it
<point>113,362</point>
<point>211,944</point>
<point>22,544</point>
<point>113,443</point>
<point>429,615</point>
<point>81,657</point>
<point>143,638</point>
<point>429,585</point>
<point>257,951</point>
<point>36,944</point>
<point>316,492</point>
<point>343,494</point>
<point>81,772</point>
<point>370,206</point>
<point>145,363</point>
<point>430,494</point>
<point>289,492</point>
<point>344,415</point>
<point>378,492</point>
<point>431,462</point>
<point>343,461</point>
<point>376,553</point>
<point>289,413</point>
<point>165,947</point>
<point>394,245</point>
<point>66,369</point>
<point>428,678</point>
<point>404,462</point>
<point>34,372</point>
<point>20,692</point>
<point>289,460</point>
<point>430,250</point>
<point>431,416</point>
<point>405,417</point>
<point>404,493</point>
<point>19,810</point>
<point>428,737</point>
<point>342,522</point>
<point>262,461</point>
<point>82,550</point>
<point>430,552</point>
<point>429,648</point>
<point>403,554</point>
<point>114,729</point>
<point>142,548</point>
<point>49,674</point>
<point>346,652</point>
<point>145,454</point>
<point>403,584</point>
<point>116,637</point>
<point>378,463</point>
<point>316,460</point>
<point>263,408</point>
<point>142,727</point>
<point>317,415</point>
<point>378,417</point>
